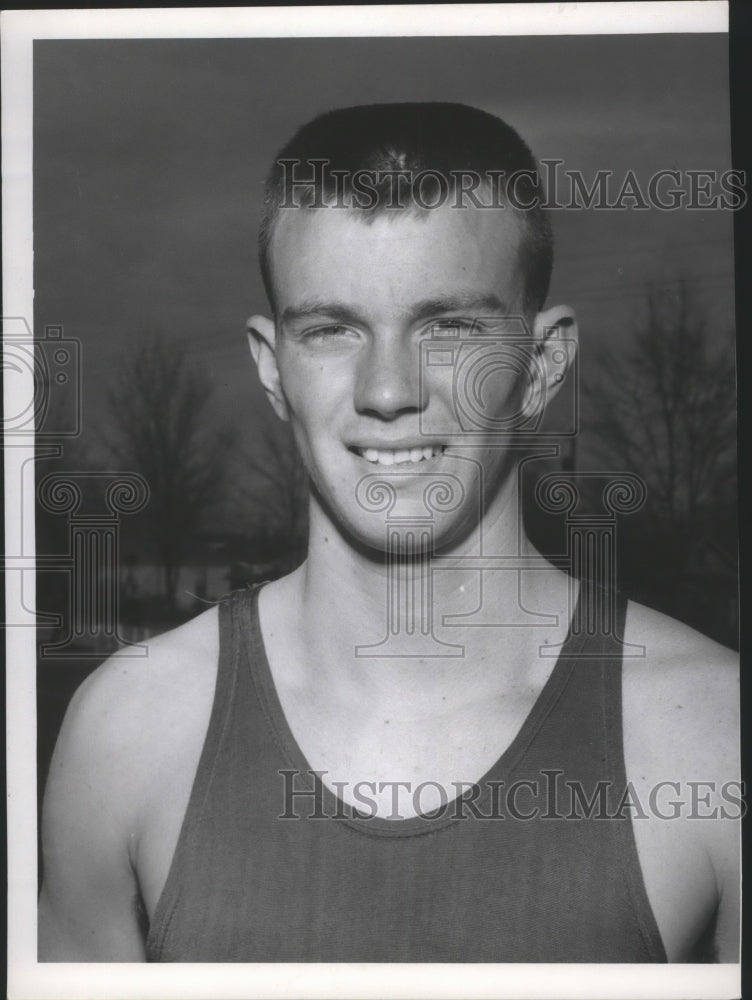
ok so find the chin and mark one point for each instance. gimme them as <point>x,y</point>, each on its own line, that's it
<point>403,510</point>
<point>408,539</point>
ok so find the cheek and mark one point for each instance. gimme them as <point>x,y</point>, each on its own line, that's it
<point>485,393</point>
<point>500,387</point>
<point>319,397</point>
<point>312,403</point>
<point>299,378</point>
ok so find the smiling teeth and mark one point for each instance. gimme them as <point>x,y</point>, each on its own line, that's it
<point>377,455</point>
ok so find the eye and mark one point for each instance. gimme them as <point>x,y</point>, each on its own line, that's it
<point>334,331</point>
<point>450,328</point>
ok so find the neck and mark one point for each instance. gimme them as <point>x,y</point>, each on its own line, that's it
<point>369,599</point>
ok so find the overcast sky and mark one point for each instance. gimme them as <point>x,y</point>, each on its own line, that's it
<point>150,157</point>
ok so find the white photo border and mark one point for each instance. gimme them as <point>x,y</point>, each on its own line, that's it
<point>28,979</point>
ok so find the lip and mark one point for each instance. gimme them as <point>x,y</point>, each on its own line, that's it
<point>427,455</point>
<point>406,444</point>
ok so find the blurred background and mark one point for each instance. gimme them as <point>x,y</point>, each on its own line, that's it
<point>149,162</point>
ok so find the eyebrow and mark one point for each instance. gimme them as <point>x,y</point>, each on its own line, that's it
<point>318,307</point>
<point>483,304</point>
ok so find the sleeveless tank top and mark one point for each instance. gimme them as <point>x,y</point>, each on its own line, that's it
<point>535,863</point>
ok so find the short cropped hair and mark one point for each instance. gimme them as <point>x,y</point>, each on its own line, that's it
<point>327,160</point>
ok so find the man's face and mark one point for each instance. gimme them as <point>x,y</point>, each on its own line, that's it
<point>355,300</point>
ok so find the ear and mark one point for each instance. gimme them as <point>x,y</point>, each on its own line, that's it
<point>555,340</point>
<point>262,334</point>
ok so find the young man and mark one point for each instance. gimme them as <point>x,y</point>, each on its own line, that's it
<point>341,765</point>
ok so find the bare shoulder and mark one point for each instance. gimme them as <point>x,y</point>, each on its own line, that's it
<point>133,727</point>
<point>132,703</point>
<point>683,687</point>
<point>175,668</point>
<point>681,750</point>
<point>132,714</point>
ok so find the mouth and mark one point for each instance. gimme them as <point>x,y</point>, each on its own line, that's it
<point>399,456</point>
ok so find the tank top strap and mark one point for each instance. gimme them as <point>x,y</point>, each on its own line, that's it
<point>598,623</point>
<point>601,618</point>
<point>598,618</point>
<point>230,658</point>
<point>229,662</point>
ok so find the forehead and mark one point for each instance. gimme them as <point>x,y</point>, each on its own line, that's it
<point>398,256</point>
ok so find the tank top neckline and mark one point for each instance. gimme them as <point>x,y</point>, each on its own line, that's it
<point>257,663</point>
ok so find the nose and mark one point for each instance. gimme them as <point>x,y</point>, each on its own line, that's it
<point>388,381</point>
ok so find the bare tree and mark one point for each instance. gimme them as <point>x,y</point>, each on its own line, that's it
<point>162,428</point>
<point>276,487</point>
<point>665,409</point>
